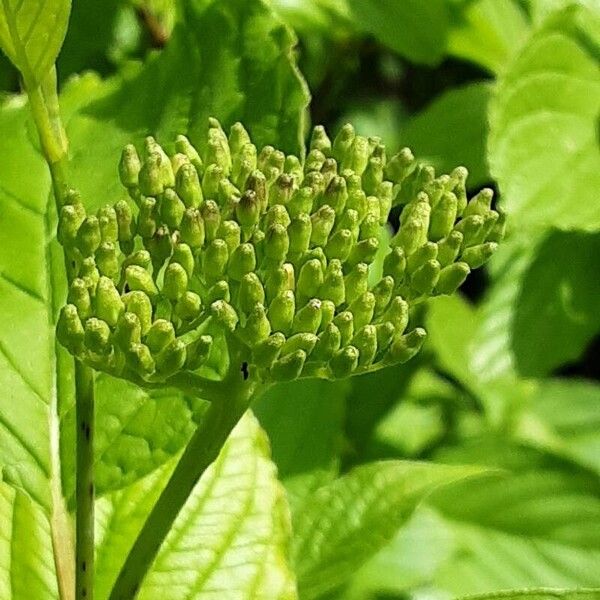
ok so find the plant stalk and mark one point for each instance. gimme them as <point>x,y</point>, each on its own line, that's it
<point>204,447</point>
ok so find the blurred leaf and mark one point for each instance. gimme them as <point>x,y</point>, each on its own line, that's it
<point>31,34</point>
<point>542,594</point>
<point>543,145</point>
<point>488,33</point>
<point>452,131</point>
<point>233,548</point>
<point>417,30</point>
<point>557,308</point>
<point>563,417</point>
<point>540,9</point>
<point>330,16</point>
<point>347,521</point>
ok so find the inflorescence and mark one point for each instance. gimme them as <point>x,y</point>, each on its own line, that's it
<point>254,250</point>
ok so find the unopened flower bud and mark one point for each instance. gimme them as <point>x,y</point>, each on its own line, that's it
<point>175,281</point>
<point>470,227</point>
<point>400,165</point>
<point>477,256</point>
<point>458,181</point>
<point>238,137</point>
<point>282,189</point>
<point>322,224</point>
<point>150,177</point>
<point>224,314</point>
<point>69,329</point>
<point>428,251</point>
<point>125,221</point>
<point>385,194</point>
<point>357,200</point>
<point>443,216</point>
<point>242,261</point>
<point>197,352</point>
<point>342,143</point>
<point>89,273</point>
<point>299,233</point>
<point>310,278</point>
<point>383,293</point>
<point>425,278</point>
<point>128,331</point>
<point>129,167</point>
<point>344,362</point>
<point>97,336</point>
<point>214,260</point>
<point>88,236</point>
<point>183,146</point>
<point>449,247</point>
<point>171,358</point>
<point>498,230</point>
<point>138,303</point>
<point>308,318</point>
<point>339,245</point>
<point>349,220</point>
<point>282,310</point>
<point>385,334</point>
<point>108,301</point>
<point>138,279</point>
<point>140,359</point>
<point>251,292</point>
<point>211,180</point>
<point>277,243</point>
<point>365,341</point>
<point>107,221</point>
<point>211,217</point>
<point>373,176</point>
<point>328,343</point>
<point>79,296</point>
<point>230,232</point>
<point>301,201</point>
<point>369,228</point>
<point>363,252</point>
<point>362,309</point>
<point>183,255</point>
<point>107,260</point>
<point>160,335</point>
<point>329,170</point>
<point>247,211</point>
<point>147,218</point>
<point>356,282</point>
<point>288,367</point>
<point>266,352</point>
<point>279,280</point>
<point>277,214</point>
<point>333,287</point>
<point>404,347</point>
<point>314,161</point>
<point>299,341</point>
<point>69,223</point>
<point>397,314</point>
<point>452,277</point>
<point>257,327</point>
<point>344,321</point>
<point>480,204</point>
<point>319,140</point>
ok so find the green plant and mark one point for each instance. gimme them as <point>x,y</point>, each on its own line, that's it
<point>233,268</point>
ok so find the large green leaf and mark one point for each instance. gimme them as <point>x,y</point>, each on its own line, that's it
<point>31,34</point>
<point>229,541</point>
<point>543,144</point>
<point>541,594</point>
<point>345,522</point>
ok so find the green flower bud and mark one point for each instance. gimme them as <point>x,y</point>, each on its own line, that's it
<point>452,277</point>
<point>308,318</point>
<point>129,167</point>
<point>328,343</point>
<point>356,282</point>
<point>299,341</point>
<point>183,146</point>
<point>160,335</point>
<point>489,222</point>
<point>238,137</point>
<point>279,280</point>
<point>69,223</point>
<point>150,176</point>
<point>344,362</point>
<point>128,331</point>
<point>289,366</point>
<point>251,292</point>
<point>363,252</point>
<point>242,261</point>
<point>125,221</point>
<point>362,309</point>
<point>275,160</point>
<point>386,196</point>
<point>257,183</point>
<point>458,181</point>
<point>414,183</point>
<point>477,256</point>
<point>182,254</point>
<point>282,310</point>
<point>89,273</point>
<point>350,221</point>
<point>357,200</point>
<point>243,165</point>
<point>108,301</point>
<point>198,351</point>
<point>339,245</point>
<point>177,161</point>
<point>171,359</point>
<point>327,313</point>
<point>383,293</point>
<point>192,228</point>
<point>420,256</point>
<point>385,334</point>
<point>187,186</point>
<point>365,341</point>
<point>88,236</point>
<point>342,143</point>
<point>214,260</point>
<point>498,230</point>
<point>299,233</point>
<point>404,347</point>
<point>449,247</point>
<point>344,321</point>
<point>175,281</point>
<point>400,165</point>
<point>425,278</point>
<point>333,287</point>
<point>329,170</point>
<point>314,161</point>
<point>320,141</point>
<point>369,228</point>
<point>247,211</point>
<point>397,314</point>
<point>140,359</point>
<point>138,279</point>
<point>147,221</point>
<point>277,214</point>
<point>436,188</point>
<point>414,225</point>
<point>218,291</point>
<point>138,303</point>
<point>107,260</point>
<point>301,201</point>
<point>276,243</point>
<point>322,224</point>
<point>107,221</point>
<point>230,232</point>
<point>443,216</point>
<point>336,194</point>
<point>79,296</point>
<point>224,314</point>
<point>257,327</point>
<point>394,264</point>
<point>166,170</point>
<point>263,157</point>
<point>211,180</point>
<point>310,278</point>
<point>141,258</point>
<point>373,176</point>
<point>188,306</point>
<point>282,189</point>
<point>69,329</point>
<point>97,336</point>
<point>160,246</point>
<point>357,157</point>
<point>211,217</point>
<point>217,152</point>
<point>480,204</point>
<point>293,167</point>
<point>266,352</point>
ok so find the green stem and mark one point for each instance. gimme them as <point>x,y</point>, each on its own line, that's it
<point>204,447</point>
<point>84,484</point>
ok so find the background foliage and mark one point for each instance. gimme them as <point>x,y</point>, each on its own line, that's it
<point>508,382</point>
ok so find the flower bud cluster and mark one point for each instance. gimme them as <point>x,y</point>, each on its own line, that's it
<point>267,253</point>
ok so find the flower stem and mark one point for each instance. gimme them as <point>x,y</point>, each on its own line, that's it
<point>84,485</point>
<point>204,447</point>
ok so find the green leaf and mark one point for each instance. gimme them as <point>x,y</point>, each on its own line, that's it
<point>26,562</point>
<point>541,594</point>
<point>416,30</point>
<point>488,33</point>
<point>344,523</point>
<point>537,526</point>
<point>452,131</point>
<point>557,307</point>
<point>229,540</point>
<point>543,144</point>
<point>563,417</point>
<point>31,34</point>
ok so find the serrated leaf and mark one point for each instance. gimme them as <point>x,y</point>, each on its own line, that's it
<point>344,523</point>
<point>26,562</point>
<point>31,34</point>
<point>230,540</point>
<point>452,131</point>
<point>543,144</point>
